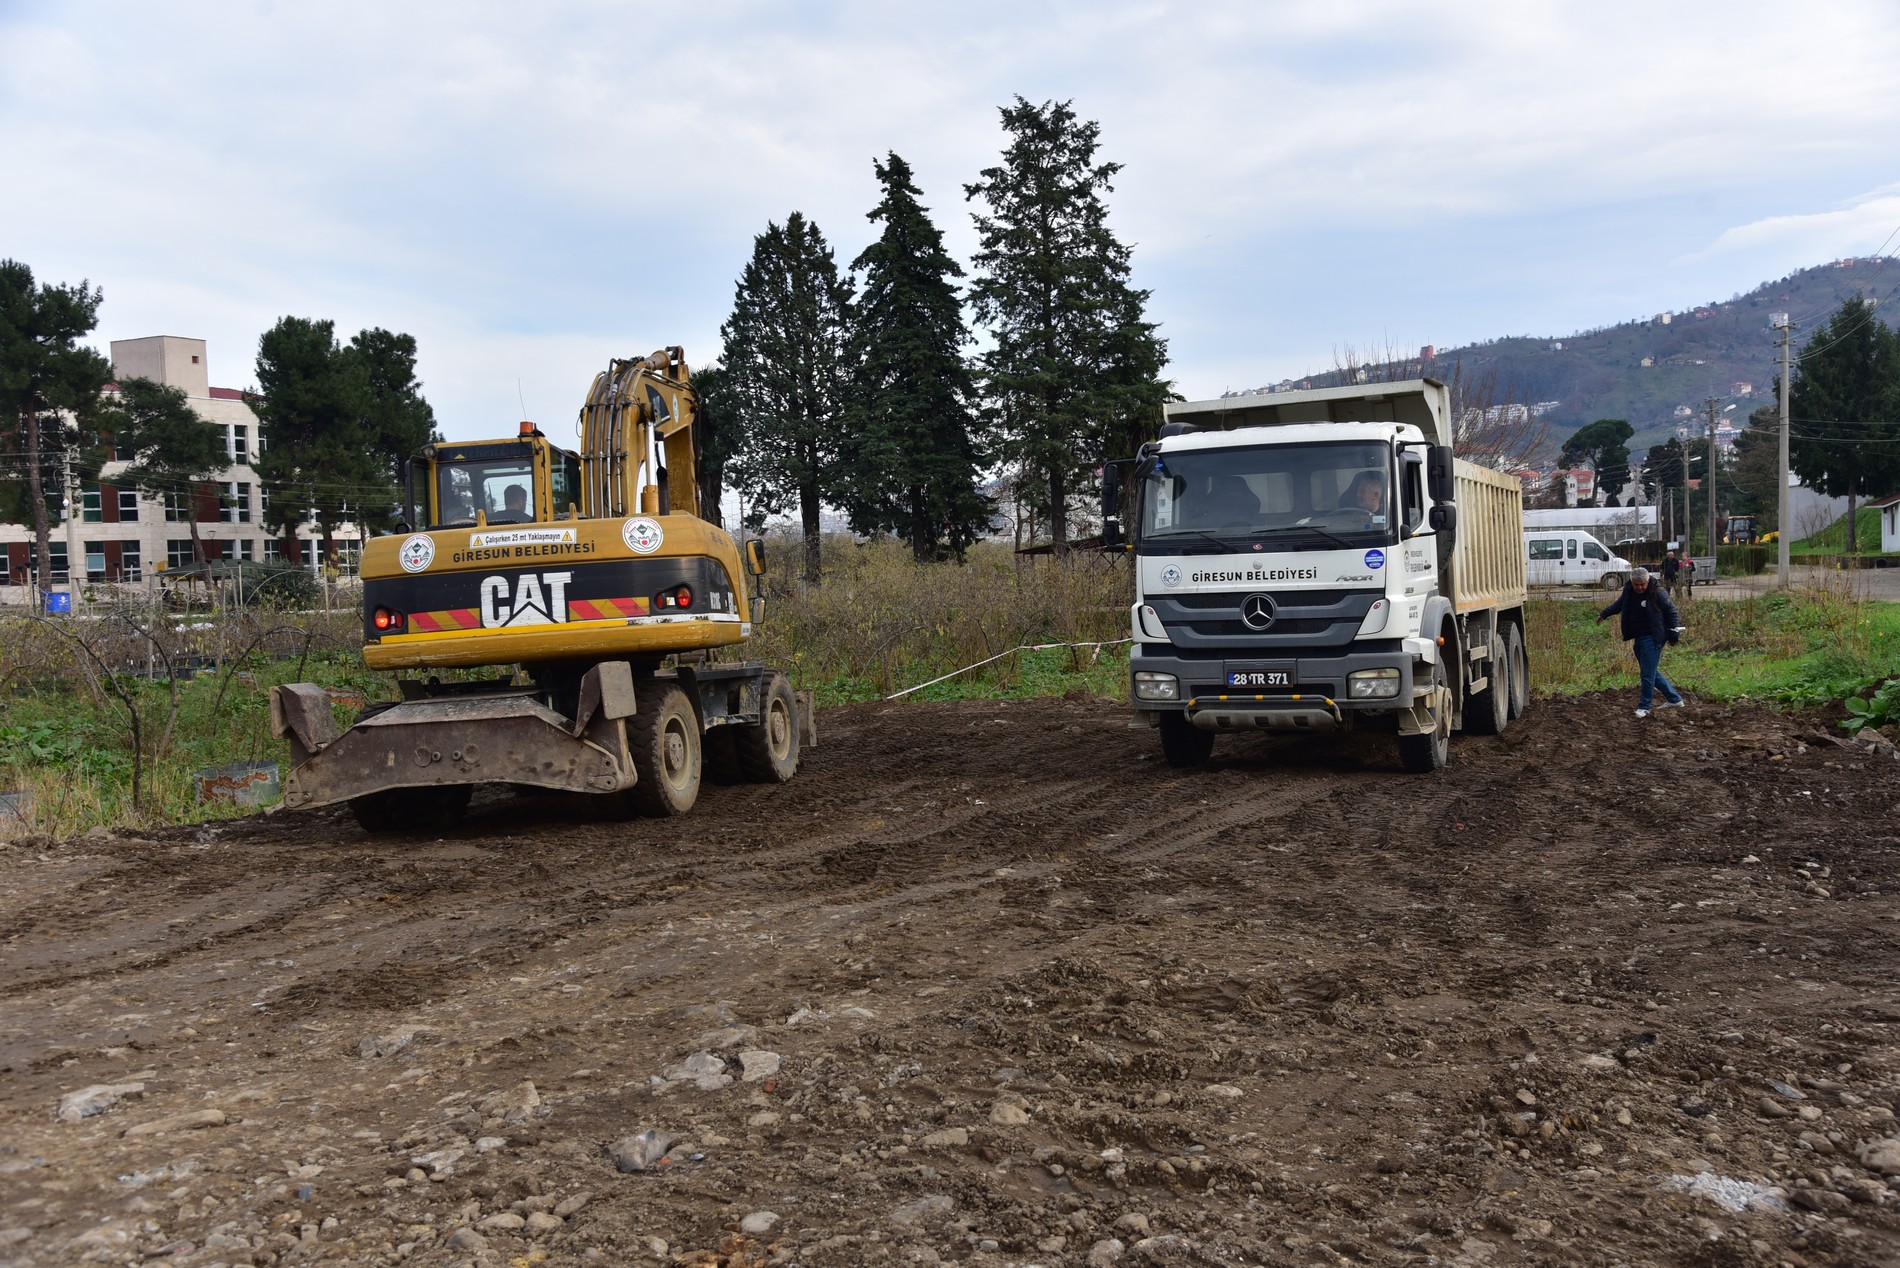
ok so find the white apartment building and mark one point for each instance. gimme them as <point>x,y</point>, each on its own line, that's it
<point>119,537</point>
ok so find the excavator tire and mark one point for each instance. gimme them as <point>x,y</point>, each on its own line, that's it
<point>664,740</point>
<point>768,749</point>
<point>411,809</point>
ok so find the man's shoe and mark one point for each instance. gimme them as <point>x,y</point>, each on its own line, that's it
<point>1642,713</point>
<point>1680,702</point>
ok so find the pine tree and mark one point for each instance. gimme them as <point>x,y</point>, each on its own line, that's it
<point>911,454</point>
<point>336,423</point>
<point>785,356</point>
<point>49,398</point>
<point>174,451</point>
<point>1844,408</point>
<point>1074,373</point>
<point>716,434</point>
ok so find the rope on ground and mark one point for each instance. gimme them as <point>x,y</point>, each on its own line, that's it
<point>1026,647</point>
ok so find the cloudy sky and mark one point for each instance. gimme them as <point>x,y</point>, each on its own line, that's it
<point>532,189</point>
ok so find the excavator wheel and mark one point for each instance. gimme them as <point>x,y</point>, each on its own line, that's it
<point>768,749</point>
<point>664,739</point>
<point>411,809</point>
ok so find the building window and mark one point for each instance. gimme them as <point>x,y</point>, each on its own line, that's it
<point>6,567</point>
<point>244,546</point>
<point>244,502</point>
<point>131,566</point>
<point>263,503</point>
<point>240,443</point>
<point>178,508</point>
<point>95,561</point>
<point>91,506</point>
<point>124,453</point>
<point>178,552</point>
<point>58,552</point>
<point>349,554</point>
<point>273,551</point>
<point>128,506</point>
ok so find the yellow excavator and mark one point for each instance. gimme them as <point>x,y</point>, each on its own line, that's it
<point>596,575</point>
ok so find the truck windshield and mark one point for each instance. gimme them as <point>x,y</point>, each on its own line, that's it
<point>1280,496</point>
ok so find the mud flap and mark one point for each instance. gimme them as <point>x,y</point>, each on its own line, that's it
<point>807,702</point>
<point>507,738</point>
<point>1430,711</point>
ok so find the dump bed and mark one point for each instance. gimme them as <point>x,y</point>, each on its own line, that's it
<point>1487,563</point>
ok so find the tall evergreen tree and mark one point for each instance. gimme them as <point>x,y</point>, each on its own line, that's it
<point>911,454</point>
<point>785,355</point>
<point>716,434</point>
<point>49,397</point>
<point>1844,408</point>
<point>1073,376</point>
<point>174,451</point>
<point>336,423</point>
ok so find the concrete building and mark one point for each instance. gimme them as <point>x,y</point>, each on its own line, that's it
<point>117,537</point>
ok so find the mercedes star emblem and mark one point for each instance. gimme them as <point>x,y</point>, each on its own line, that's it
<point>1256,611</point>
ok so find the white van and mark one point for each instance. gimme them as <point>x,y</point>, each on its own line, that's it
<point>1569,558</point>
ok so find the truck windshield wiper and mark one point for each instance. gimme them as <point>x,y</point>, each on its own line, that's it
<point>1227,548</point>
<point>1314,529</point>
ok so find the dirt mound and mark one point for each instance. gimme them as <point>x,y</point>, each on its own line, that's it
<point>989,983</point>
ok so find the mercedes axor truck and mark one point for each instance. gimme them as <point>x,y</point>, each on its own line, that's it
<point>1319,561</point>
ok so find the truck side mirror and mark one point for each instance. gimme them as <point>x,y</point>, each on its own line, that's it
<point>1444,519</point>
<point>1111,506</point>
<point>755,557</point>
<point>1439,479</point>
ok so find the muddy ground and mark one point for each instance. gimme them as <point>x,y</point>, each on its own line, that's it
<point>1009,991</point>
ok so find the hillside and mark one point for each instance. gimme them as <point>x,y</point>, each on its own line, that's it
<point>1642,370</point>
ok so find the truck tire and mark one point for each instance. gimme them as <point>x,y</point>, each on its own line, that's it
<point>1488,712</point>
<point>1423,754</point>
<point>1183,743</point>
<point>411,809</point>
<point>1520,675</point>
<point>664,740</point>
<point>768,749</point>
<point>1612,581</point>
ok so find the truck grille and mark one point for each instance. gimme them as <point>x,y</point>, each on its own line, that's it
<point>1302,619</point>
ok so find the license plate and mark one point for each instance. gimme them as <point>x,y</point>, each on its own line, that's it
<point>1260,678</point>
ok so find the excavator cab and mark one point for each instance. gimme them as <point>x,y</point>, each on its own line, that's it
<point>474,484</point>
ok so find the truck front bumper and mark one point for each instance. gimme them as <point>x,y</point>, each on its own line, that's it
<point>1304,692</point>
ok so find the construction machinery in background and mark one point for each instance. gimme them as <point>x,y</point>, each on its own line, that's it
<point>596,575</point>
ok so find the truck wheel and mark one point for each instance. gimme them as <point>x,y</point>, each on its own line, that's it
<point>1488,712</point>
<point>665,744</point>
<point>1612,581</point>
<point>768,749</point>
<point>1183,743</point>
<point>1520,675</point>
<point>411,809</point>
<point>1423,754</point>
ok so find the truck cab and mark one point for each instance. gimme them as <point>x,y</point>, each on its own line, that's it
<point>1296,561</point>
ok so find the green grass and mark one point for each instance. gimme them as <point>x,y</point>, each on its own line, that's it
<point>1053,672</point>
<point>1832,540</point>
<point>1802,648</point>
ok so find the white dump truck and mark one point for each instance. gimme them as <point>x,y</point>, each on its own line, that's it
<point>1319,561</point>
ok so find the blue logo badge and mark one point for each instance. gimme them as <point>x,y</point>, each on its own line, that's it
<point>1375,559</point>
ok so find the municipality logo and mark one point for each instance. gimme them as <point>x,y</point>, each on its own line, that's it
<point>1375,559</point>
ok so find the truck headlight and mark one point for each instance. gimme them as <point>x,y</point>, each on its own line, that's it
<point>1152,686</point>
<point>1373,684</point>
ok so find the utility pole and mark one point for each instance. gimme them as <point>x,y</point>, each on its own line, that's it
<point>75,515</point>
<point>1710,477</point>
<point>1780,322</point>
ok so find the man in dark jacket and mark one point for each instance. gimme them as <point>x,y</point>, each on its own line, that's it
<point>1649,622</point>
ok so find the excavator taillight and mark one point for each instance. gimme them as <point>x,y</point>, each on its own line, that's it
<point>387,619</point>
<point>678,597</point>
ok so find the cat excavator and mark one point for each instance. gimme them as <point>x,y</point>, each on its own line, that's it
<point>610,607</point>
